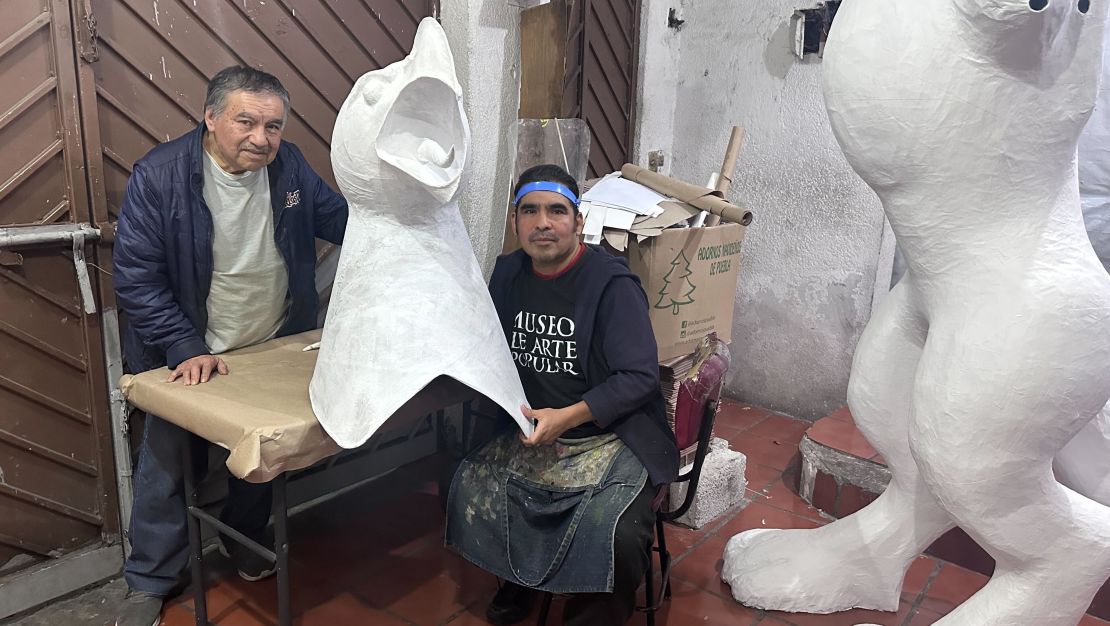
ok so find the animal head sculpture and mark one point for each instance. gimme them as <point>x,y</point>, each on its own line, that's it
<point>917,90</point>
<point>1042,42</point>
<point>401,139</point>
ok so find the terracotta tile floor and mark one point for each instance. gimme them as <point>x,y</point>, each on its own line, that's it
<point>354,564</point>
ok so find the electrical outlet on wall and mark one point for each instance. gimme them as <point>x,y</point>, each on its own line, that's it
<point>655,160</point>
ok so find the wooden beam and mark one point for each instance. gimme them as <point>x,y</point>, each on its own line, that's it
<point>543,57</point>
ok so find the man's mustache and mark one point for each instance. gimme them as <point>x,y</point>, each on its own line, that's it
<point>534,237</point>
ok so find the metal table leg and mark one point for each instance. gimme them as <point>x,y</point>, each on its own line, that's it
<point>196,549</point>
<point>281,550</point>
<point>467,426</point>
<point>280,556</point>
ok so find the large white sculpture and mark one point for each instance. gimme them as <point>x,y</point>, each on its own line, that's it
<point>1084,464</point>
<point>994,349</point>
<point>409,302</point>
<point>1094,169</point>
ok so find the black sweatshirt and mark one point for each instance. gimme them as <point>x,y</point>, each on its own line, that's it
<point>616,352</point>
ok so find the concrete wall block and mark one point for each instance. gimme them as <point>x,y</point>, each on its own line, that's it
<point>722,485</point>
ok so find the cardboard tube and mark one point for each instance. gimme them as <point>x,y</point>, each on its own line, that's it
<point>724,179</point>
<point>698,197</point>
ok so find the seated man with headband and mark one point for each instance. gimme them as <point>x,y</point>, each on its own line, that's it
<point>569,509</point>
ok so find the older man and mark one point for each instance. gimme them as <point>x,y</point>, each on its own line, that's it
<point>215,251</point>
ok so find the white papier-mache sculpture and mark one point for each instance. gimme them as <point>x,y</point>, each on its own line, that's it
<point>1084,464</point>
<point>994,350</point>
<point>409,302</point>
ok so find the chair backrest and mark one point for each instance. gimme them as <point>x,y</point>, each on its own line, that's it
<point>695,412</point>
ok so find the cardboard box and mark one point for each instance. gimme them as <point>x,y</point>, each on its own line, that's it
<point>689,275</point>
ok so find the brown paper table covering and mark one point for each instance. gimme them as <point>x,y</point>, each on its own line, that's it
<point>261,413</point>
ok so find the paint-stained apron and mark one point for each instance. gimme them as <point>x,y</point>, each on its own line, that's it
<point>544,516</point>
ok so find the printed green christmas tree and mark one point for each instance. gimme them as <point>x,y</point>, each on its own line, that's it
<point>677,288</point>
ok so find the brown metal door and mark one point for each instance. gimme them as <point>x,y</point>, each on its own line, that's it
<point>90,86</point>
<point>602,61</point>
<point>57,485</point>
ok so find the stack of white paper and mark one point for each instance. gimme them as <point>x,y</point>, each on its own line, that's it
<point>614,203</point>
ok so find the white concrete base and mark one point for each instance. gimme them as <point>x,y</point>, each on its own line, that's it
<point>722,485</point>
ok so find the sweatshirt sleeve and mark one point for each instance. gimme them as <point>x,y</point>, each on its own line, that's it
<point>627,341</point>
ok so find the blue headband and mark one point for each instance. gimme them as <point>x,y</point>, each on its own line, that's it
<point>562,190</point>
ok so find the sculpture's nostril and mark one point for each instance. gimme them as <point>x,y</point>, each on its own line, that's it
<point>1084,6</point>
<point>1038,5</point>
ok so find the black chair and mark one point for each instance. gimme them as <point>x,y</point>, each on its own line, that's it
<point>692,477</point>
<point>704,391</point>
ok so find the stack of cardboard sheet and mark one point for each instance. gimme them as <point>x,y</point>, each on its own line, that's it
<point>671,375</point>
<point>623,205</point>
<point>616,208</point>
<point>673,215</point>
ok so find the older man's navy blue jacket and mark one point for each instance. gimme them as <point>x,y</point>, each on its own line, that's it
<point>163,250</point>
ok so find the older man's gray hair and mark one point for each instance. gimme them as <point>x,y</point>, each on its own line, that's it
<point>236,78</point>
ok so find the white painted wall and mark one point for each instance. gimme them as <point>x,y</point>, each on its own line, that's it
<point>812,255</point>
<point>485,41</point>
<point>657,97</point>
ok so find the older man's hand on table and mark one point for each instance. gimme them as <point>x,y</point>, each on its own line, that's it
<point>199,369</point>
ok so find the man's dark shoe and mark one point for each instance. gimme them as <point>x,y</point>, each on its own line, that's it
<point>511,605</point>
<point>251,566</point>
<point>140,609</point>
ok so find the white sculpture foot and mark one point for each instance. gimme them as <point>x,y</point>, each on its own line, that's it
<point>855,562</point>
<point>1026,598</point>
<point>823,570</point>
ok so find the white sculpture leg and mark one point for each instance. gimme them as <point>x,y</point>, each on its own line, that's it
<point>826,570</point>
<point>986,450</point>
<point>963,116</point>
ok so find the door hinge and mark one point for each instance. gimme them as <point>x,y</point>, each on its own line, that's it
<point>86,34</point>
<point>10,259</point>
